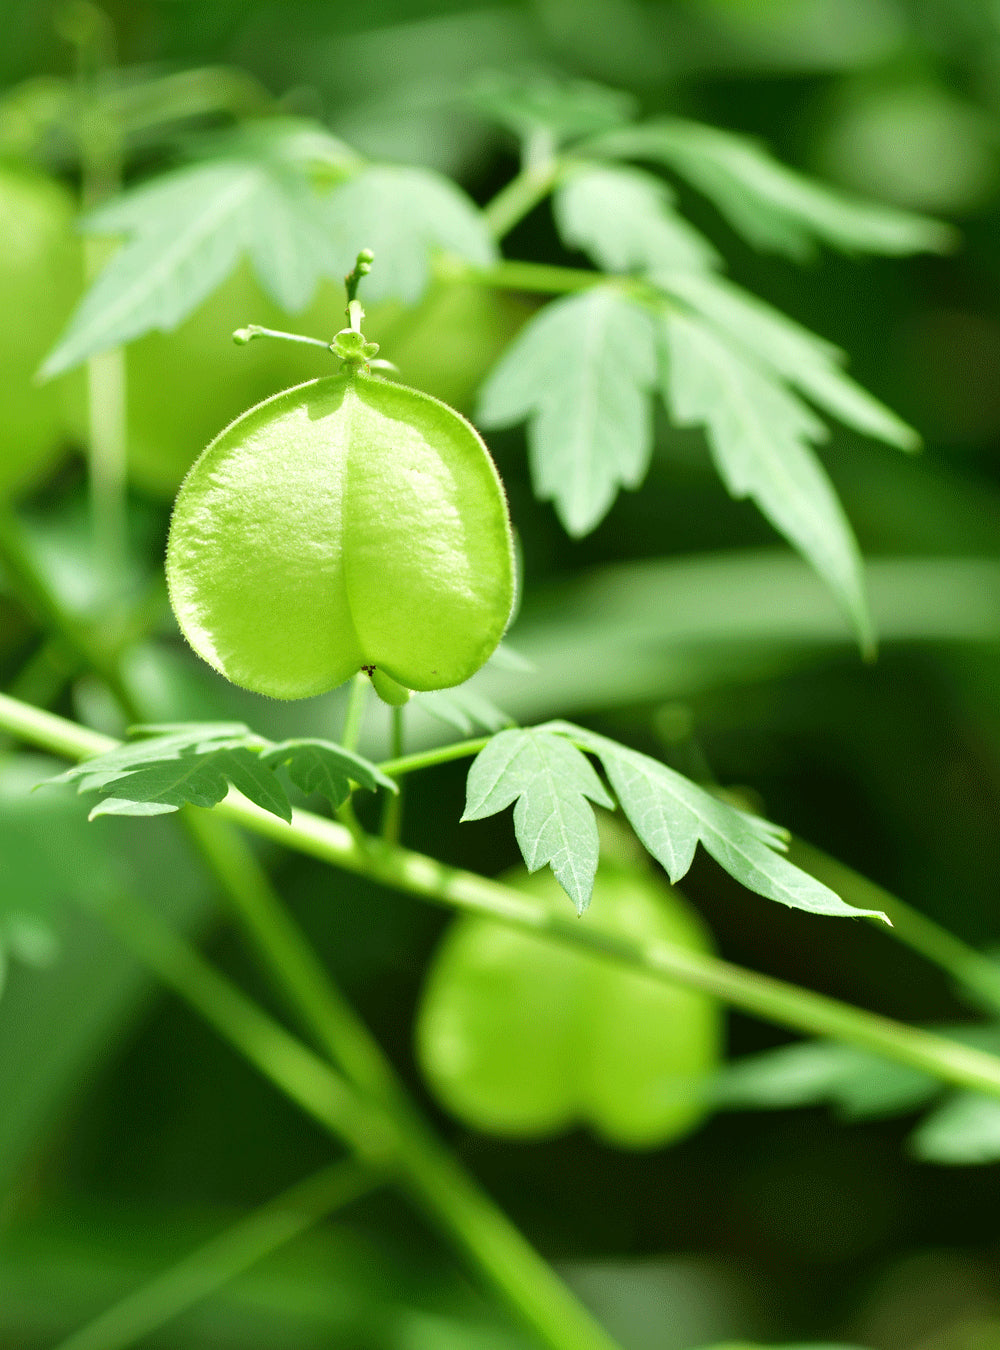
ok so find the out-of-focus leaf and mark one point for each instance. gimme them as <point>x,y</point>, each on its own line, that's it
<point>464,709</point>
<point>186,230</point>
<point>580,371</point>
<point>964,1130</point>
<point>551,783</point>
<point>58,1022</point>
<point>807,362</point>
<point>772,206</point>
<point>809,1073</point>
<point>760,435</point>
<point>533,101</point>
<point>624,218</point>
<point>403,214</point>
<point>672,815</point>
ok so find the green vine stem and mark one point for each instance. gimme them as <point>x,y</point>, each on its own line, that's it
<point>381,1137</point>
<point>520,195</point>
<point>224,1257</point>
<point>773,1000</point>
<point>90,31</point>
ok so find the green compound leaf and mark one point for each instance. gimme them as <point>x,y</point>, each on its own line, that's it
<point>624,219</point>
<point>580,371</point>
<point>404,214</point>
<point>186,230</point>
<point>195,763</point>
<point>193,766</point>
<point>551,782</point>
<point>761,436</point>
<point>807,362</point>
<point>326,768</point>
<point>772,206</point>
<point>672,815</point>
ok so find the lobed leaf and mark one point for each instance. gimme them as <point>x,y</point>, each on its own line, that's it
<point>580,372</point>
<point>326,768</point>
<point>404,214</point>
<point>672,815</point>
<point>772,206</point>
<point>807,362</point>
<point>760,436</point>
<point>552,784</point>
<point>195,764</point>
<point>624,219</point>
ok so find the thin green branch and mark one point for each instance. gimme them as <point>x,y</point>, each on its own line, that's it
<point>297,1071</point>
<point>545,278</point>
<point>392,805</point>
<point>426,759</point>
<point>226,1256</point>
<point>520,195</point>
<point>773,1000</point>
<point>381,1137</point>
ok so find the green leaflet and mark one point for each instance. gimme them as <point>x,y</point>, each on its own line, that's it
<point>772,206</point>
<point>404,214</point>
<point>624,218</point>
<point>544,770</point>
<point>195,764</point>
<point>804,360</point>
<point>580,371</point>
<point>761,438</point>
<point>553,785</point>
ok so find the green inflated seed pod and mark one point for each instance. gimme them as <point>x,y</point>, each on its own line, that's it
<point>345,524</point>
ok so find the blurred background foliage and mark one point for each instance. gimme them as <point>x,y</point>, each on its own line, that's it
<point>127,1134</point>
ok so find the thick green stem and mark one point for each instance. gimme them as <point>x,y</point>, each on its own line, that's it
<point>773,1000</point>
<point>226,1256</point>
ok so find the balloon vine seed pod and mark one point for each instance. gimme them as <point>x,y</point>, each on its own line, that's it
<point>347,524</point>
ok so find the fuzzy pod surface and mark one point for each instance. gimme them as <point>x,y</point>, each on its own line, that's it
<point>345,524</point>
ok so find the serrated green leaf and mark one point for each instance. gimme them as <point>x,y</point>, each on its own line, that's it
<point>672,815</point>
<point>772,206</point>
<point>404,214</point>
<point>759,434</point>
<point>186,767</point>
<point>624,218</point>
<point>580,371</point>
<point>807,362</point>
<point>186,230</point>
<point>326,768</point>
<point>551,782</point>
